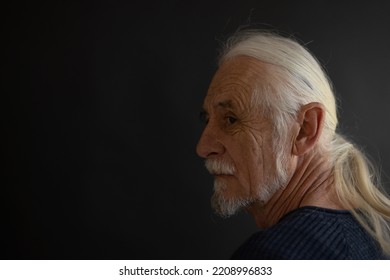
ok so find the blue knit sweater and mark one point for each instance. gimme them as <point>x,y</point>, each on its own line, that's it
<point>312,233</point>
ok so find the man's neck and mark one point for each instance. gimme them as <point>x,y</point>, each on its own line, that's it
<point>312,184</point>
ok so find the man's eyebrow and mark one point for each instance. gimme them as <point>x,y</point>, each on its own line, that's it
<point>227,104</point>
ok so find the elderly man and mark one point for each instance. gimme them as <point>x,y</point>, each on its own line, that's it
<point>270,142</point>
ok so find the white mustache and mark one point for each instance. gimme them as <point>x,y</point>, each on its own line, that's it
<point>219,167</point>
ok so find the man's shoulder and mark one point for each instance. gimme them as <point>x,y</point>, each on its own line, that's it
<point>306,233</point>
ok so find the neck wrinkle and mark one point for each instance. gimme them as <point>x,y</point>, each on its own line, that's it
<point>310,184</point>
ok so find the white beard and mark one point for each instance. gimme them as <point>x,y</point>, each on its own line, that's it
<point>228,206</point>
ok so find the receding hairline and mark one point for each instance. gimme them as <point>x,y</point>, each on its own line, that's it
<point>260,74</point>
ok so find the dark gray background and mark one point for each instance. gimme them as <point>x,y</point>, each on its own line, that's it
<point>100,116</point>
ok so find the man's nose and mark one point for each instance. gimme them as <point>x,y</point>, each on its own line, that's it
<point>209,145</point>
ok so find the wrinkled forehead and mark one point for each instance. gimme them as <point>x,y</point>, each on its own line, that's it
<point>236,80</point>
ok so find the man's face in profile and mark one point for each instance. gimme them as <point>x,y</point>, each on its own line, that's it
<point>237,139</point>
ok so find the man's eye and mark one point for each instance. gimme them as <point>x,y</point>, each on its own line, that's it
<point>231,120</point>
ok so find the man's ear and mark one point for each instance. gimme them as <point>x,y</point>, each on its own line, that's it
<point>311,120</point>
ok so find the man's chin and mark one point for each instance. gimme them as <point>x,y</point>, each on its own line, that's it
<point>227,207</point>
<point>227,203</point>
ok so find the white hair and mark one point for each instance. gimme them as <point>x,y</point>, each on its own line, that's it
<point>296,79</point>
